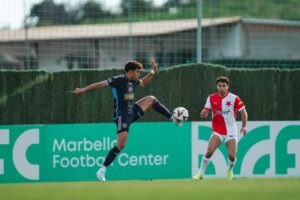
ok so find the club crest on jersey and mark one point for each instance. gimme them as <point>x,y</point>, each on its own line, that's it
<point>130,89</point>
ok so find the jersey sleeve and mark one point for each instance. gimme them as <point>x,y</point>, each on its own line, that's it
<point>207,104</point>
<point>113,81</point>
<point>239,104</point>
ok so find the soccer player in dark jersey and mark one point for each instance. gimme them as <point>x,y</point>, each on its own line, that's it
<point>126,110</point>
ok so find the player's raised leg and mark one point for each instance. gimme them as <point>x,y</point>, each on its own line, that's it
<point>231,146</point>
<point>121,142</point>
<point>213,144</point>
<point>149,101</point>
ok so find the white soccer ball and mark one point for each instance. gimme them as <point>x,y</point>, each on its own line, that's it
<point>180,114</point>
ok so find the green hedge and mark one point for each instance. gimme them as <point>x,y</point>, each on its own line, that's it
<point>39,97</point>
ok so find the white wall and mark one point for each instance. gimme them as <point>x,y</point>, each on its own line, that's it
<point>224,42</point>
<point>272,45</point>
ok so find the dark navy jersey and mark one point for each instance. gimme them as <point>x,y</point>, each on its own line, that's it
<point>123,91</point>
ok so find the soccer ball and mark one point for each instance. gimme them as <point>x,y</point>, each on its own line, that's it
<point>180,114</point>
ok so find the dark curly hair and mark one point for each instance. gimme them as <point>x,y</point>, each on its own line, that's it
<point>133,65</point>
<point>222,79</point>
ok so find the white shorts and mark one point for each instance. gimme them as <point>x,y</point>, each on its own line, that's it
<point>225,137</point>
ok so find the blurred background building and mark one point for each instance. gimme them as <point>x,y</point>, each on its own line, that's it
<point>58,35</point>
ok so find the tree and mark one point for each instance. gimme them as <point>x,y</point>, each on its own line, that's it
<point>91,11</point>
<point>138,7</point>
<point>180,3</point>
<point>49,13</point>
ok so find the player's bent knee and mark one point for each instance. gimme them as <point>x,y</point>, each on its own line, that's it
<point>209,152</point>
<point>151,98</point>
<point>231,157</point>
<point>121,146</point>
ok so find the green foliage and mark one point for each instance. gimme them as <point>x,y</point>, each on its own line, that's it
<point>91,11</point>
<point>38,97</point>
<point>273,9</point>
<point>49,13</point>
<point>138,7</point>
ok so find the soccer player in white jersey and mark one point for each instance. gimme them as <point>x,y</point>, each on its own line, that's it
<point>224,106</point>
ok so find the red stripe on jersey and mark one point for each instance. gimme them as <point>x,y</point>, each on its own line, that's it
<point>238,104</point>
<point>218,122</point>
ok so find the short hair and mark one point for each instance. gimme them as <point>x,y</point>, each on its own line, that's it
<point>132,65</point>
<point>222,79</point>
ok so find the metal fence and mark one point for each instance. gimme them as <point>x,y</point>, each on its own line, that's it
<point>60,35</point>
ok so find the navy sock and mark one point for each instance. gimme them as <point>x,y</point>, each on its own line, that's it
<point>111,156</point>
<point>160,108</point>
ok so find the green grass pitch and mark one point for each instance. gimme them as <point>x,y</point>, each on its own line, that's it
<point>208,189</point>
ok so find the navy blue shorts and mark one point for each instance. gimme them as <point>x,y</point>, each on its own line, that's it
<point>123,121</point>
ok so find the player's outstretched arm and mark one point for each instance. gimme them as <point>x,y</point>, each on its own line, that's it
<point>145,80</point>
<point>204,113</point>
<point>79,91</point>
<point>244,115</point>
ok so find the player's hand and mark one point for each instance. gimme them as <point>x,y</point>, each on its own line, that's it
<point>78,91</point>
<point>204,113</point>
<point>154,64</point>
<point>244,130</point>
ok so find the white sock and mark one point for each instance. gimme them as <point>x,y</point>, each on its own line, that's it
<point>172,118</point>
<point>204,163</point>
<point>103,169</point>
<point>231,164</point>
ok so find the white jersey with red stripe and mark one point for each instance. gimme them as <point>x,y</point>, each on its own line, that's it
<point>224,111</point>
